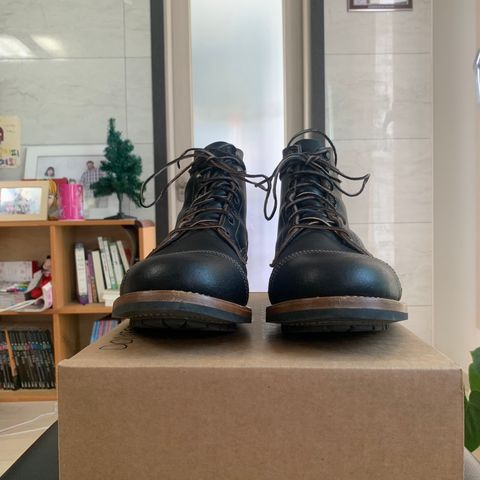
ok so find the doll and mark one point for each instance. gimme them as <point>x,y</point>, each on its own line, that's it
<point>44,279</point>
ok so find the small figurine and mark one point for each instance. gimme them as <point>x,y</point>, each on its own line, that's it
<point>45,278</point>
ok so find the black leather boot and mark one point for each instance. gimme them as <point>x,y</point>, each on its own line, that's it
<point>323,278</point>
<point>196,278</point>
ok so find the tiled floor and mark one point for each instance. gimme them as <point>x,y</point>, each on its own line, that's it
<point>14,441</point>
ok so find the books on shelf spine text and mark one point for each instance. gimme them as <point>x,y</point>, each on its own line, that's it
<point>102,327</point>
<point>100,272</point>
<point>26,359</point>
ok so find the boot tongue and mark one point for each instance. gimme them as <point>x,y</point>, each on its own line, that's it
<point>224,149</point>
<point>309,145</point>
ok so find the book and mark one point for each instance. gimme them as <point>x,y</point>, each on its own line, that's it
<point>102,327</point>
<point>117,265</point>
<point>10,362</point>
<point>89,284</point>
<point>98,274</point>
<point>81,271</point>
<point>104,247</point>
<point>5,370</point>
<point>103,257</point>
<point>110,296</point>
<point>91,272</point>
<point>44,302</point>
<point>123,255</point>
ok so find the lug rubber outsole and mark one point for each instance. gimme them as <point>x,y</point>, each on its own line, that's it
<point>172,309</point>
<point>336,314</point>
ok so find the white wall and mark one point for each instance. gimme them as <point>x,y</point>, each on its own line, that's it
<point>379,113</point>
<point>66,66</point>
<point>455,179</point>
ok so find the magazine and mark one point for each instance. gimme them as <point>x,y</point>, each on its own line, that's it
<point>39,304</point>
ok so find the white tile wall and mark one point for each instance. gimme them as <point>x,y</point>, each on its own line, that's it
<point>380,113</point>
<point>66,67</point>
<point>61,29</point>
<point>139,99</point>
<point>137,28</point>
<point>391,196</point>
<point>384,32</point>
<point>379,95</point>
<point>64,101</point>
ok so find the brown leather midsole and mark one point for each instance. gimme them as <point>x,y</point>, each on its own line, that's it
<point>175,296</point>
<point>324,303</point>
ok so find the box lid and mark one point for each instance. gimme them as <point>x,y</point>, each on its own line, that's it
<point>261,345</point>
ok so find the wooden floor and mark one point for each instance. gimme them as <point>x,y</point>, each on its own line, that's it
<point>11,414</point>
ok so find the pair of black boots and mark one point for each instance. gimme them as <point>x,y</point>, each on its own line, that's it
<point>323,278</point>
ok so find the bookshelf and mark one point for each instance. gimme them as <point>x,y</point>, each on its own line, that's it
<point>68,321</point>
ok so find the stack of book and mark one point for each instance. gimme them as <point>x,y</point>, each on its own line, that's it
<point>26,359</point>
<point>102,327</point>
<point>100,272</point>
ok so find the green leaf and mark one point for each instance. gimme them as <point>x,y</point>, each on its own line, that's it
<point>474,377</point>
<point>472,421</point>
<point>476,358</point>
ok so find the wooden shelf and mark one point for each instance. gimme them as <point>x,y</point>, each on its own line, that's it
<point>83,223</point>
<point>69,321</point>
<point>27,395</point>
<point>73,308</point>
<point>89,308</point>
<point>49,311</point>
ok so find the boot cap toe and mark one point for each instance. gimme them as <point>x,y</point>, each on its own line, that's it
<point>322,273</point>
<point>206,272</point>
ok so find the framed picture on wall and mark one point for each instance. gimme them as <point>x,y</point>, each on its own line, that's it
<point>379,5</point>
<point>22,200</point>
<point>78,164</point>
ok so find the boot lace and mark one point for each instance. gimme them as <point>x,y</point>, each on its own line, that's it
<point>218,190</point>
<point>310,201</point>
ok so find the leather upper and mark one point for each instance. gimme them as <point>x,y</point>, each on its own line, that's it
<point>324,258</point>
<point>207,251</point>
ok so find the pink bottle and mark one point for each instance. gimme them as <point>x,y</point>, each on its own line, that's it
<point>71,201</point>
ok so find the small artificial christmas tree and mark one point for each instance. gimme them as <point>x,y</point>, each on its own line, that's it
<point>121,171</point>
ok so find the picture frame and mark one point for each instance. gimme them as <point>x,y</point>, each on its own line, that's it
<point>23,200</point>
<point>379,5</point>
<point>70,161</point>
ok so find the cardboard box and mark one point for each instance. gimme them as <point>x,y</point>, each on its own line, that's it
<point>254,405</point>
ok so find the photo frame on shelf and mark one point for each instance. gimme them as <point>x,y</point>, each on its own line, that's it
<point>379,5</point>
<point>76,163</point>
<point>23,200</point>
